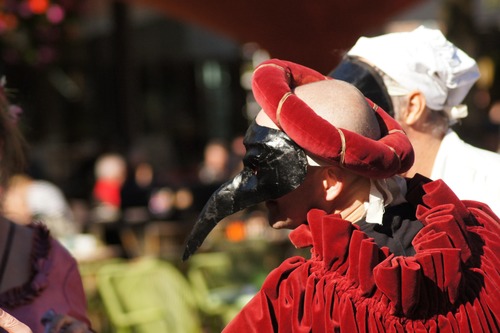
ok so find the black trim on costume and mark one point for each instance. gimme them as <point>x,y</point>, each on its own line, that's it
<point>399,227</point>
<point>6,250</point>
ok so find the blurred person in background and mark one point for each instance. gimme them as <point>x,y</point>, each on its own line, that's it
<point>210,173</point>
<point>421,79</point>
<point>27,200</point>
<point>38,276</point>
<point>110,172</point>
<point>136,190</point>
<point>215,166</point>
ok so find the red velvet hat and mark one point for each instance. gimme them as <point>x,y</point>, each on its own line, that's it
<point>273,83</point>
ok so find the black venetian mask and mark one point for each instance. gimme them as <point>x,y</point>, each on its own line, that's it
<point>274,165</point>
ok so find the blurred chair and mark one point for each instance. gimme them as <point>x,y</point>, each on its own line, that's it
<point>215,287</point>
<point>148,295</point>
<point>166,239</point>
<point>95,307</point>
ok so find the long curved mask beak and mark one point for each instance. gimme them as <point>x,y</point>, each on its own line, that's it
<point>274,165</point>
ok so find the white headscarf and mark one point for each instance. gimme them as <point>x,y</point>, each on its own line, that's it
<point>423,60</point>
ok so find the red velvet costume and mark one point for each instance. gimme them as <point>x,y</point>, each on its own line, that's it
<point>450,282</point>
<point>350,284</point>
<point>431,265</point>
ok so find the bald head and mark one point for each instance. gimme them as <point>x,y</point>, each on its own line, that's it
<point>339,103</point>
<point>342,105</point>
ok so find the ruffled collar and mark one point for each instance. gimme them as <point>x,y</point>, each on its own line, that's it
<point>26,292</point>
<point>449,237</point>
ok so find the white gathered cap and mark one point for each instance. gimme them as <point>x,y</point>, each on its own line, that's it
<point>423,60</point>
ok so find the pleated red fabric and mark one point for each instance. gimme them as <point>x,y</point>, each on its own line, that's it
<point>451,284</point>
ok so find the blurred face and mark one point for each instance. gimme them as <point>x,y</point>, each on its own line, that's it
<point>216,157</point>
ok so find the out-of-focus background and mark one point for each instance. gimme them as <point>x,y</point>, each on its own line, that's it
<point>134,112</point>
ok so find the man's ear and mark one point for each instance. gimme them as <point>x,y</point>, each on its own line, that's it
<point>332,183</point>
<point>415,108</point>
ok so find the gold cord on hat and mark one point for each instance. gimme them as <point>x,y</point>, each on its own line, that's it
<point>342,152</point>
<point>280,105</point>
<point>396,131</point>
<point>397,156</point>
<point>270,65</point>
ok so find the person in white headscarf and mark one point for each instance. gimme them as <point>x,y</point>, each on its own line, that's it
<point>421,79</point>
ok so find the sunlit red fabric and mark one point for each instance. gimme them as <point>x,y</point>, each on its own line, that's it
<point>107,192</point>
<point>350,284</point>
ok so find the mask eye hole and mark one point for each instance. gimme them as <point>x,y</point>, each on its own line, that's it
<point>254,167</point>
<point>252,163</point>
